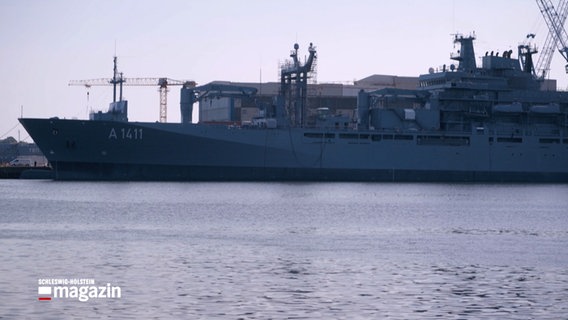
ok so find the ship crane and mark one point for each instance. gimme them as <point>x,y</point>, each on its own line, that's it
<point>557,34</point>
<point>162,83</point>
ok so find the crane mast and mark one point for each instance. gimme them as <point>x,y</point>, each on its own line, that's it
<point>547,51</point>
<point>552,39</point>
<point>555,23</point>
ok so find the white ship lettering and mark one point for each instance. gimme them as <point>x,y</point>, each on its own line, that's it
<point>125,134</point>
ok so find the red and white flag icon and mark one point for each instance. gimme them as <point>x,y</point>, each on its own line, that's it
<point>44,293</point>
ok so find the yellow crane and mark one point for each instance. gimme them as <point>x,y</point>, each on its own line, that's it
<point>162,83</point>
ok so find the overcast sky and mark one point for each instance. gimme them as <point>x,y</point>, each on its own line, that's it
<point>44,44</point>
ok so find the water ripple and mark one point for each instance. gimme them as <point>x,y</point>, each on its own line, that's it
<point>288,251</point>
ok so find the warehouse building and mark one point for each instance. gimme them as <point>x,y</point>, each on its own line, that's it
<point>332,98</point>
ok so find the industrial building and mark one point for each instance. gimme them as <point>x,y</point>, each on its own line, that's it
<point>330,98</point>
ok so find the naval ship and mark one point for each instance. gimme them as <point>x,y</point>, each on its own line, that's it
<point>463,123</point>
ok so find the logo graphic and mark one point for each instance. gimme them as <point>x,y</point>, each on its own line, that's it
<point>76,289</point>
<point>44,293</point>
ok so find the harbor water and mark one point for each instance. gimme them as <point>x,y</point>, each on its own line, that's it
<point>285,250</point>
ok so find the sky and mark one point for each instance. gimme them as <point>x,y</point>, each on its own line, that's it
<point>45,44</point>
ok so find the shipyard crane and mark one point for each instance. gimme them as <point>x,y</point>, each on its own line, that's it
<point>162,83</point>
<point>545,58</point>
<point>555,23</point>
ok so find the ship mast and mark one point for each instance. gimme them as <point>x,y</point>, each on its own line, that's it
<point>294,84</point>
<point>116,79</point>
<point>466,54</point>
<point>526,51</point>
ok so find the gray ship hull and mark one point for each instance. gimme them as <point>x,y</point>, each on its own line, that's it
<point>493,123</point>
<point>130,151</point>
